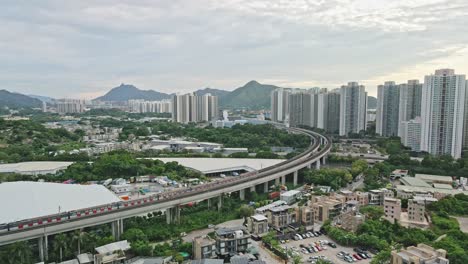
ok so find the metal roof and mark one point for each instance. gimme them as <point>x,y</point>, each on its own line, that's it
<point>112,247</point>
<point>24,200</point>
<point>212,165</point>
<point>34,166</point>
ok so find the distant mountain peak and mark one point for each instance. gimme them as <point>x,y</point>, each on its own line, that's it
<point>14,100</point>
<point>252,82</point>
<point>125,92</point>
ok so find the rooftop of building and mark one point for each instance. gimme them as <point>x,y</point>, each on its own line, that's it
<point>33,199</point>
<point>229,230</point>
<point>280,208</point>
<point>433,178</point>
<point>413,181</point>
<point>290,193</point>
<point>33,166</point>
<point>113,247</point>
<point>269,206</point>
<point>430,189</point>
<point>259,217</point>
<point>204,240</point>
<point>442,186</point>
<point>213,165</point>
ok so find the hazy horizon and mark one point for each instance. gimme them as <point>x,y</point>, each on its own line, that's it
<point>83,49</point>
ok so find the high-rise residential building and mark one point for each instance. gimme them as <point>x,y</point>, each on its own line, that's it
<point>70,106</point>
<point>303,108</point>
<point>410,100</point>
<point>410,134</point>
<point>443,113</point>
<point>142,106</point>
<point>328,115</point>
<point>280,105</point>
<point>353,105</point>
<point>388,100</point>
<point>189,108</point>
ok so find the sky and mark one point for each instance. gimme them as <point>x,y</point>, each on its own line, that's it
<point>83,48</point>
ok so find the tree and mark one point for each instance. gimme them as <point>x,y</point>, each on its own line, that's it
<point>358,167</point>
<point>134,234</point>
<point>246,211</point>
<point>19,252</point>
<point>60,244</point>
<point>78,238</point>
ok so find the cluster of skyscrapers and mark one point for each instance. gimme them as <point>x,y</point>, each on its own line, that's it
<point>142,106</point>
<point>430,116</point>
<point>70,106</point>
<point>340,111</point>
<point>192,108</point>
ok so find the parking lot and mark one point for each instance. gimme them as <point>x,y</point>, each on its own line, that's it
<point>329,252</point>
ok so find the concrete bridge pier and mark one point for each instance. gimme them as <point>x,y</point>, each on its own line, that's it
<point>43,248</point>
<point>220,202</point>
<point>296,173</point>
<point>173,215</point>
<point>324,159</point>
<point>317,164</point>
<point>209,203</point>
<point>242,194</point>
<point>117,228</point>
<point>283,180</point>
<point>277,181</point>
<point>265,187</point>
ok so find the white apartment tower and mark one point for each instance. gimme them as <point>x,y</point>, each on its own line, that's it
<point>410,101</point>
<point>353,106</point>
<point>70,106</point>
<point>388,101</point>
<point>280,105</point>
<point>443,113</point>
<point>190,108</point>
<point>411,134</point>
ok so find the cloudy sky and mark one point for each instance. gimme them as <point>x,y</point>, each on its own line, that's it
<point>83,48</point>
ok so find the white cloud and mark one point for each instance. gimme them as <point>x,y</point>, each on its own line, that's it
<point>87,47</point>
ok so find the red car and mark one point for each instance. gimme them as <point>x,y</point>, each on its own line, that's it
<point>356,256</point>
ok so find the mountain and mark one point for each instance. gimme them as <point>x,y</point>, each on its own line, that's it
<point>252,95</point>
<point>215,92</point>
<point>126,92</point>
<point>16,100</point>
<point>371,102</point>
<point>42,98</point>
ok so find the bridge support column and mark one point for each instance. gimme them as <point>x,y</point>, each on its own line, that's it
<point>116,229</point>
<point>242,194</point>
<point>295,178</point>
<point>317,164</point>
<point>309,166</point>
<point>168,213</point>
<point>121,225</point>
<point>41,249</point>
<point>277,181</point>
<point>177,214</point>
<point>324,159</point>
<point>220,202</point>
<point>283,180</point>
<point>252,189</point>
<point>265,187</point>
<point>46,247</point>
